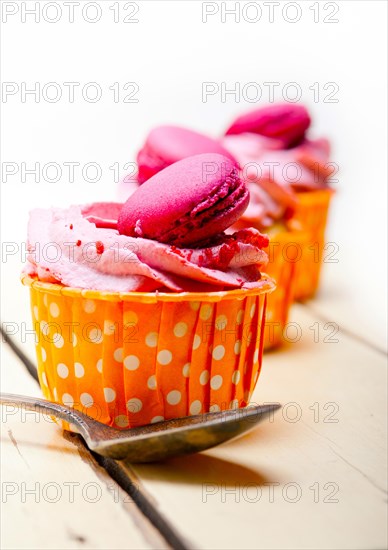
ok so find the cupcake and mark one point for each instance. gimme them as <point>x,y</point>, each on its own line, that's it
<point>290,174</point>
<point>163,146</point>
<point>269,210</point>
<point>148,310</point>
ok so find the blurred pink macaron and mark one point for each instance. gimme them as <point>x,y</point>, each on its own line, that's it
<point>283,121</point>
<point>187,203</point>
<point>166,145</point>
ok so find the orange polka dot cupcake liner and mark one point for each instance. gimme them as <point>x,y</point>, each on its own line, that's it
<point>284,252</point>
<point>129,359</point>
<point>311,216</point>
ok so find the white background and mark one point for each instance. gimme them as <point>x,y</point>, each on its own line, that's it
<point>169,53</point>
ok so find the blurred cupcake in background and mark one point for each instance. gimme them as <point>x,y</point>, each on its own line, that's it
<point>288,179</point>
<point>165,145</point>
<point>288,176</point>
<point>271,207</point>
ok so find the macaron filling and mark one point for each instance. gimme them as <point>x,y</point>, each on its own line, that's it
<point>188,204</point>
<point>222,209</point>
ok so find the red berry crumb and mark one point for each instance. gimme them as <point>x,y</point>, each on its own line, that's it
<point>99,247</point>
<point>78,243</point>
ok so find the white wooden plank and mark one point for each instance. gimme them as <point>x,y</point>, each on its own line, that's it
<point>227,495</point>
<point>54,495</point>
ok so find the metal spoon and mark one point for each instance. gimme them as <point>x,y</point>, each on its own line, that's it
<point>152,442</point>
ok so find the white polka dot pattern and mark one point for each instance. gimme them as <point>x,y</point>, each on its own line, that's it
<point>151,382</point>
<point>118,355</point>
<point>164,357</point>
<point>54,309</point>
<point>218,353</point>
<point>89,306</point>
<point>221,322</point>
<point>195,407</point>
<point>131,318</point>
<point>79,370</point>
<point>122,421</point>
<point>109,395</point>
<point>68,400</point>
<point>216,382</point>
<point>236,377</point>
<point>95,335</point>
<point>174,397</point>
<point>86,400</point>
<point>204,377</point>
<point>62,370</point>
<point>45,328</point>
<point>109,327</point>
<point>58,340</point>
<point>237,347</point>
<point>196,341</point>
<point>141,363</point>
<point>134,405</point>
<point>205,312</point>
<point>180,329</point>
<point>131,362</point>
<point>256,356</point>
<point>240,317</point>
<point>152,339</point>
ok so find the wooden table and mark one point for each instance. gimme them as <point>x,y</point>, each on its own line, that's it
<point>315,477</point>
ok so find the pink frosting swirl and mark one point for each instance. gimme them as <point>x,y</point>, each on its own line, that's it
<point>275,175</point>
<point>81,247</point>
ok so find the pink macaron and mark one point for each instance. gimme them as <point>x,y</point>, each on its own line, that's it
<point>284,121</point>
<point>187,203</point>
<point>165,145</point>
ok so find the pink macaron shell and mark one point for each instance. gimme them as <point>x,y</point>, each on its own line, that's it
<point>166,145</point>
<point>213,221</point>
<point>284,121</point>
<point>191,200</point>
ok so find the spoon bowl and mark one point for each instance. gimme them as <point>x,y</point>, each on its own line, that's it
<point>152,442</point>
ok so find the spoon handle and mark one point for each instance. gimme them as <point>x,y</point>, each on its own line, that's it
<point>76,418</point>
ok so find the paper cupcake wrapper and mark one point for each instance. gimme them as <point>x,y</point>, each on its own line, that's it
<point>285,249</point>
<point>135,358</point>
<point>311,216</point>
